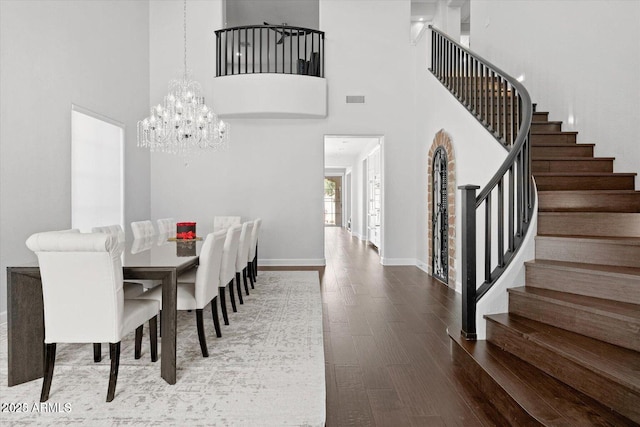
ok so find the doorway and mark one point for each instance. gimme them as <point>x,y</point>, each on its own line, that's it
<point>358,160</point>
<point>333,201</point>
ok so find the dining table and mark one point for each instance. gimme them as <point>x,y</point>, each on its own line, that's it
<point>158,257</point>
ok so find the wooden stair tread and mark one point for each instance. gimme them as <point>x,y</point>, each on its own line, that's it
<point>552,132</point>
<point>588,192</point>
<point>579,159</point>
<point>620,310</point>
<point>614,270</point>
<point>549,122</point>
<point>544,398</point>
<point>560,144</point>
<point>631,241</point>
<point>584,174</point>
<point>616,363</point>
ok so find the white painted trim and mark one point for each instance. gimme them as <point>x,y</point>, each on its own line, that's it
<point>398,261</point>
<point>423,266</point>
<point>310,262</point>
<point>3,320</point>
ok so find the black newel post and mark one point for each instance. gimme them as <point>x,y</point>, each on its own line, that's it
<point>469,261</point>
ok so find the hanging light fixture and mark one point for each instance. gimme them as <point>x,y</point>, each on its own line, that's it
<point>183,123</point>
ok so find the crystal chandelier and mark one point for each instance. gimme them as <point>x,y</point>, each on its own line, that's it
<point>183,124</point>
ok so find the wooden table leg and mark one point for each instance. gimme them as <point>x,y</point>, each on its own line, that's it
<point>169,326</point>
<point>25,325</point>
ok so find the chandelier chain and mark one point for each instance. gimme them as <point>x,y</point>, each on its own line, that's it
<point>185,36</point>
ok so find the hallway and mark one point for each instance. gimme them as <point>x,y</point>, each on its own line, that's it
<point>386,346</point>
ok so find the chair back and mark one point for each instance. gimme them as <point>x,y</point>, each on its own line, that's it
<point>166,226</point>
<point>225,222</point>
<point>115,229</point>
<point>81,286</point>
<point>254,239</point>
<point>230,254</point>
<point>208,272</point>
<point>142,229</point>
<point>243,248</point>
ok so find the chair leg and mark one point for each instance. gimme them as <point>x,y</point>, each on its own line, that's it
<point>153,337</point>
<point>223,305</point>
<point>114,350</point>
<point>250,274</point>
<point>216,319</point>
<point>239,287</point>
<point>138,342</point>
<point>244,279</point>
<point>49,363</point>
<point>233,298</point>
<point>97,352</point>
<point>201,337</point>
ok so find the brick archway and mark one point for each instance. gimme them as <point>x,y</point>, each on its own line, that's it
<point>442,139</point>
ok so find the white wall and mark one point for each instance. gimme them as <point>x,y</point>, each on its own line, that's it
<point>274,167</point>
<point>54,53</point>
<point>580,60</point>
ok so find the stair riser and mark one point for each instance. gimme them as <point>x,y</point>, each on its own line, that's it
<point>568,151</point>
<point>624,288</point>
<point>575,319</point>
<point>572,166</point>
<point>615,182</point>
<point>590,252</point>
<point>590,202</point>
<point>545,127</point>
<point>540,117</point>
<point>500,399</point>
<point>589,224</point>
<point>560,138</point>
<point>616,396</point>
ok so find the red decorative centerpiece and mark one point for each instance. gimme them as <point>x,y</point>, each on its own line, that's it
<point>186,230</point>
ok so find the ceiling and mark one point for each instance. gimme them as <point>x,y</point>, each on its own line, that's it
<point>342,151</point>
<point>296,13</point>
<point>306,13</point>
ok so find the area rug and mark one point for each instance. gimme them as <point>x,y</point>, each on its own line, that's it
<point>267,369</point>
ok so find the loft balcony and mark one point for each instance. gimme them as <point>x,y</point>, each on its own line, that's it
<point>270,71</point>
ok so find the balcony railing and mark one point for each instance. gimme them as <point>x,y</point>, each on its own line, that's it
<point>269,49</point>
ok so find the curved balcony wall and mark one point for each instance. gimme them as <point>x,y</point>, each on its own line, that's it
<point>270,71</point>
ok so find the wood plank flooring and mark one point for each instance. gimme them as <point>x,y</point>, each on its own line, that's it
<point>387,355</point>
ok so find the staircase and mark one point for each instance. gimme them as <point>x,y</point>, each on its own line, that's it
<point>568,350</point>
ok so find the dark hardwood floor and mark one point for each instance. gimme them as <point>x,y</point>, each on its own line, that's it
<point>386,348</point>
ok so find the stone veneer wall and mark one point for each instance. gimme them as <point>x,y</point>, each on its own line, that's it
<point>442,139</point>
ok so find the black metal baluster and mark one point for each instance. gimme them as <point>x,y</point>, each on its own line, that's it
<point>233,62</point>
<point>511,223</point>
<point>501,222</point>
<point>504,110</point>
<point>246,46</point>
<point>322,55</point>
<point>487,239</point>
<point>291,55</point>
<point>498,105</point>
<point>492,100</point>
<point>253,50</point>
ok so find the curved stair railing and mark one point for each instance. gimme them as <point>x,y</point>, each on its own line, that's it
<point>504,108</point>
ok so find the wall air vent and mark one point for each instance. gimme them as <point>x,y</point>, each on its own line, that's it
<point>355,99</point>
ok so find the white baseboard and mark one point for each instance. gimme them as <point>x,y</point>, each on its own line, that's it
<point>318,262</point>
<point>423,266</point>
<point>398,261</point>
<point>358,235</point>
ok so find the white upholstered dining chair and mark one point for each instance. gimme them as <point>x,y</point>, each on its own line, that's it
<point>228,269</point>
<point>243,254</point>
<point>252,260</point>
<point>225,222</point>
<point>83,298</point>
<point>199,287</point>
<point>166,226</point>
<point>131,289</point>
<point>142,229</point>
